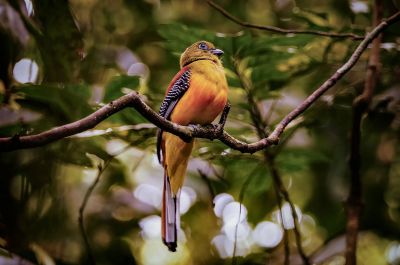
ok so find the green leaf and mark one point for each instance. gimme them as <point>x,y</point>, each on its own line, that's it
<point>314,19</point>
<point>260,181</point>
<point>267,44</point>
<point>295,160</point>
<point>179,36</point>
<point>69,101</point>
<point>114,88</point>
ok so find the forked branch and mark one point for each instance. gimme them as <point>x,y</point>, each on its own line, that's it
<point>360,106</point>
<point>135,101</point>
<point>280,30</point>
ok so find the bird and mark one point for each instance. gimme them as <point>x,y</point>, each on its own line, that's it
<point>197,94</point>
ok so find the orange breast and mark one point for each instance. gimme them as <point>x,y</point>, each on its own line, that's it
<point>205,98</point>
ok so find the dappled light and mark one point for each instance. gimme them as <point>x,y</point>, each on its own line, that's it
<point>267,234</point>
<point>148,194</point>
<point>101,102</point>
<point>220,201</point>
<point>26,71</point>
<point>359,6</point>
<point>393,253</point>
<point>284,216</point>
<point>234,212</point>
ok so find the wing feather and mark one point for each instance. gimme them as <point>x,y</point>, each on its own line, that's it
<point>177,88</point>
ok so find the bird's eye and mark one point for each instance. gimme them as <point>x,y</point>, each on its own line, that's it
<point>203,46</point>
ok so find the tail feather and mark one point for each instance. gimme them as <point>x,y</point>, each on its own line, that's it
<point>170,216</point>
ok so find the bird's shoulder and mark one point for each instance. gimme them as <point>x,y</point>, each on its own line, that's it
<point>180,78</point>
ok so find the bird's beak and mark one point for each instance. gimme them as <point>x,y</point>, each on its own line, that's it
<point>217,52</point>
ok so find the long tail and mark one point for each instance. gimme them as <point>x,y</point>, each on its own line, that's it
<point>170,216</point>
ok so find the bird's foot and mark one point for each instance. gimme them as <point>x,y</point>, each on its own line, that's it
<point>216,129</point>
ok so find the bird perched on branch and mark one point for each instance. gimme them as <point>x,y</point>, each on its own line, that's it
<point>196,95</point>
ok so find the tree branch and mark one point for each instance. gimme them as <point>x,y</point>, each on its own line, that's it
<point>335,77</point>
<point>280,30</point>
<point>260,125</point>
<point>360,106</point>
<point>134,100</point>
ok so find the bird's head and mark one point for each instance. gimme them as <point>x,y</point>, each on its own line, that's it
<point>201,50</point>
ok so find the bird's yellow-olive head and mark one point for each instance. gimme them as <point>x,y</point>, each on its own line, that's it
<point>201,50</point>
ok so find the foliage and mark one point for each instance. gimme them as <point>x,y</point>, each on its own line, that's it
<point>114,47</point>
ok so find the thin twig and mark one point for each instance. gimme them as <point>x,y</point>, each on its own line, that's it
<point>277,178</point>
<point>285,232</point>
<point>260,124</point>
<point>278,196</point>
<point>270,159</point>
<point>241,198</point>
<point>209,185</point>
<point>101,169</point>
<point>134,100</point>
<point>280,30</point>
<point>89,191</point>
<point>360,106</point>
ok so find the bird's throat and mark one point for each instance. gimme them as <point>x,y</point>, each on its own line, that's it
<point>198,59</point>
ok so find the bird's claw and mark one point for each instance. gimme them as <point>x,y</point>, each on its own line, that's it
<point>217,130</point>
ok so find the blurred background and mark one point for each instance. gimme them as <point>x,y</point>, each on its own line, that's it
<point>61,60</point>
